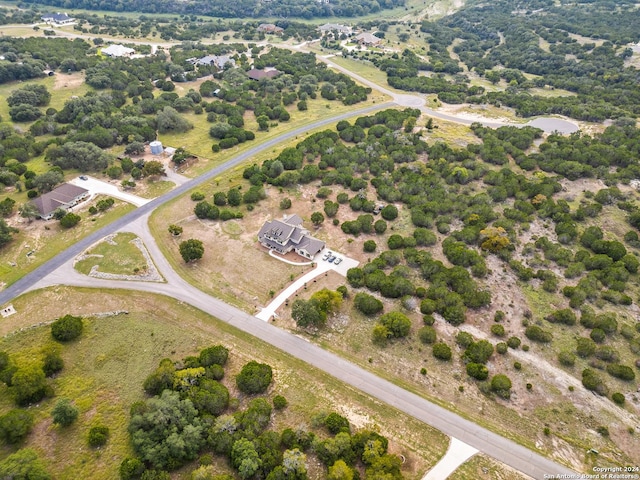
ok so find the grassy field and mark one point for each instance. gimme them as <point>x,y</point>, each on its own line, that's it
<point>104,379</point>
<point>46,239</point>
<point>119,256</point>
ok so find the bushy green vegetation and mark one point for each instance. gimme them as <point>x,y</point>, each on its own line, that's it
<point>241,435</point>
<point>246,8</point>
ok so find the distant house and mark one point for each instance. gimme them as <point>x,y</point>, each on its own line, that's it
<point>269,28</point>
<point>334,27</point>
<point>118,51</point>
<point>218,61</point>
<point>57,18</point>
<point>258,74</point>
<point>288,234</point>
<point>367,38</point>
<point>64,196</point>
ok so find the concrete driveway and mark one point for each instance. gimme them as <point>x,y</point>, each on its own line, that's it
<point>322,266</point>
<point>96,187</point>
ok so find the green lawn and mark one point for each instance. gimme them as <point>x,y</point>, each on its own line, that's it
<point>103,378</point>
<point>118,256</point>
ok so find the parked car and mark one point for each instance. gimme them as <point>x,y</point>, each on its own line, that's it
<point>338,261</point>
<point>84,177</point>
<point>331,259</point>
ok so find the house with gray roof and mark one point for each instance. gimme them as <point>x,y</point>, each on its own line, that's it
<point>57,18</point>
<point>289,234</point>
<point>367,38</point>
<point>269,28</point>
<point>334,27</point>
<point>64,196</point>
<point>218,61</point>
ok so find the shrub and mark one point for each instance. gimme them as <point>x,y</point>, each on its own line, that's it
<point>622,372</point>
<point>513,342</point>
<point>64,413</point>
<point>336,423</point>
<point>537,334</point>
<point>215,355</point>
<point>428,320</point>
<point>501,348</point>
<point>618,398</point>
<point>98,436</point>
<point>442,351</point>
<point>285,203</point>
<point>390,212</point>
<point>69,220</point>
<point>564,316</point>
<point>477,371</point>
<point>279,402</point>
<point>501,385</point>
<point>585,347</point>
<point>66,328</point>
<point>254,377</point>
<point>608,354</point>
<point>397,323</point>
<point>464,339</point>
<point>197,196</point>
<point>478,352</point>
<point>131,469</point>
<point>15,425</point>
<point>427,306</point>
<point>367,304</point>
<point>369,246</point>
<point>427,334</point>
<point>497,330</point>
<point>52,362</point>
<point>597,335</point>
<point>592,381</point>
<point>568,359</point>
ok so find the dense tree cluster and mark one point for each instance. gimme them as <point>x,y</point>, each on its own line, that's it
<point>245,8</point>
<point>196,420</point>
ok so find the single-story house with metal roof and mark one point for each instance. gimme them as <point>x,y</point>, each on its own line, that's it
<point>219,61</point>
<point>269,28</point>
<point>258,74</point>
<point>289,234</point>
<point>118,51</point>
<point>367,38</point>
<point>57,18</point>
<point>334,27</point>
<point>64,196</point>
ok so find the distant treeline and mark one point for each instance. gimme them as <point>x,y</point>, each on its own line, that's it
<point>239,8</point>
